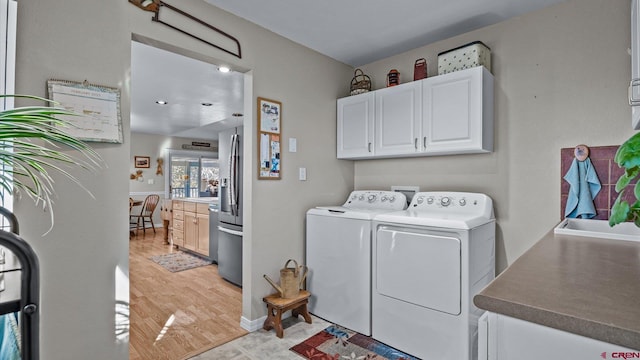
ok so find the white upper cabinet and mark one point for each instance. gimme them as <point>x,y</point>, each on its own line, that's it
<point>355,126</point>
<point>458,113</point>
<point>634,86</point>
<point>397,119</point>
<point>441,115</point>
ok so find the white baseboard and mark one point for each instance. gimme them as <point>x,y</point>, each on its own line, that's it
<point>252,325</point>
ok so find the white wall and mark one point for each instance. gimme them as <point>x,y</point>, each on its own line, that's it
<point>77,40</point>
<point>561,77</point>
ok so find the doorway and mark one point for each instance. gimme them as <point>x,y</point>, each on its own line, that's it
<point>191,172</point>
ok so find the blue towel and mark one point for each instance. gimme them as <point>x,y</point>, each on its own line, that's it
<point>9,337</point>
<point>585,186</point>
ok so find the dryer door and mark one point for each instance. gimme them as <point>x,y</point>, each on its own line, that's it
<point>419,267</point>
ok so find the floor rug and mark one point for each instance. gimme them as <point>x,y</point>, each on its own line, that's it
<point>179,261</point>
<point>336,343</point>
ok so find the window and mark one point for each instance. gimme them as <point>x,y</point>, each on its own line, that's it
<point>8,15</point>
<point>191,173</point>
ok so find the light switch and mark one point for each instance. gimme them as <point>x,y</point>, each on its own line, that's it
<point>293,145</point>
<point>302,174</point>
<point>150,181</point>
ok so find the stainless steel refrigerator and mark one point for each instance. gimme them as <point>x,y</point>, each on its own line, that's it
<point>230,212</point>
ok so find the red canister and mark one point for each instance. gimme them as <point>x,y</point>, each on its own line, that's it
<point>420,69</point>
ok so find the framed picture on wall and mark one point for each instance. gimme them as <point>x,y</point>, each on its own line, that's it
<point>142,161</point>
<point>269,138</point>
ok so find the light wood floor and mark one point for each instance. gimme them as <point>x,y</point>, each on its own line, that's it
<point>175,316</point>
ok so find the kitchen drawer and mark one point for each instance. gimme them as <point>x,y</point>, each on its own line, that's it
<point>202,208</point>
<point>177,225</point>
<point>190,206</point>
<point>178,238</point>
<point>178,205</point>
<point>178,215</point>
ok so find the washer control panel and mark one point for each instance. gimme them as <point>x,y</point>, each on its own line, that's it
<point>369,199</point>
<point>453,202</point>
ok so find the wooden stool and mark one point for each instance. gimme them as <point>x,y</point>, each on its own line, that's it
<point>276,306</point>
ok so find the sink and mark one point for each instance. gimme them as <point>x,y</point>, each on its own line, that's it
<point>599,229</point>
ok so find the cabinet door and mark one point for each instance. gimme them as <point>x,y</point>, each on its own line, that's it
<point>634,87</point>
<point>397,119</point>
<point>458,112</point>
<point>355,126</point>
<point>190,230</point>
<point>511,338</point>
<point>202,245</point>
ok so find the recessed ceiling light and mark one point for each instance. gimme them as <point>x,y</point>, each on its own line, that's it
<point>223,69</point>
<point>207,104</point>
<point>161,102</point>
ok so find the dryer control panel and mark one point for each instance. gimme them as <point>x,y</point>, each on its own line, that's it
<point>370,199</point>
<point>463,203</point>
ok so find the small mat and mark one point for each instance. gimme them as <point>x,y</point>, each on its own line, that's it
<point>179,261</point>
<point>336,343</point>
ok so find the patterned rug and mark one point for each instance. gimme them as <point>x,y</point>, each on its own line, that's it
<point>336,343</point>
<point>179,261</point>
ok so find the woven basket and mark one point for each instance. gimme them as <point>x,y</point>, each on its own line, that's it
<point>360,83</point>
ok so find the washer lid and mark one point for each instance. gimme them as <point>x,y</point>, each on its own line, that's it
<point>344,212</point>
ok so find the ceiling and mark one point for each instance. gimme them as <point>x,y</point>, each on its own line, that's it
<point>355,32</point>
<point>185,84</point>
<point>358,32</point>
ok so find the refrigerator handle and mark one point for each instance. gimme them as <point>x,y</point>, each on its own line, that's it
<point>234,181</point>
<point>229,231</point>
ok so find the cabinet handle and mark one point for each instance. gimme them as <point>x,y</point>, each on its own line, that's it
<point>369,147</point>
<point>415,143</point>
<point>424,142</point>
<point>633,83</point>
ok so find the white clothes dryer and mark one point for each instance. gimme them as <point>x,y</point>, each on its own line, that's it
<point>338,255</point>
<point>428,263</point>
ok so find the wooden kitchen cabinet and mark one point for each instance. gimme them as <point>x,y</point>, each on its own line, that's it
<point>202,244</point>
<point>177,232</point>
<point>191,226</point>
<point>441,115</point>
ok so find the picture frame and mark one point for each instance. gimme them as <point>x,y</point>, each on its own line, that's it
<point>269,139</point>
<point>142,161</point>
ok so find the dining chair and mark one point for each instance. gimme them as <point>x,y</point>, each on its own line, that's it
<point>146,213</point>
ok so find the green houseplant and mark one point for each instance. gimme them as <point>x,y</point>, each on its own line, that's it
<point>32,143</point>
<point>628,158</point>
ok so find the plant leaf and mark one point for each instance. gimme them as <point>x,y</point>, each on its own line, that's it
<point>619,211</point>
<point>628,154</point>
<point>622,183</point>
<point>31,142</point>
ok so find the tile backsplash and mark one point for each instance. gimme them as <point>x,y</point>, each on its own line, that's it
<point>608,173</point>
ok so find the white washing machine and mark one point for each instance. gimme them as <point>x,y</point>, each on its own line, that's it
<point>338,254</point>
<point>428,263</point>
